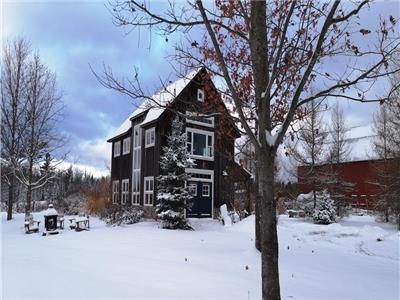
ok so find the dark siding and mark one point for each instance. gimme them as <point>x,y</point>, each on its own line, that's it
<point>224,135</point>
<point>121,166</point>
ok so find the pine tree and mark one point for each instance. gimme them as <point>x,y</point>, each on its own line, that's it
<point>172,193</point>
<point>325,212</point>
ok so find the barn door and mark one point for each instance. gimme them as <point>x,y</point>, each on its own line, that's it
<point>202,199</point>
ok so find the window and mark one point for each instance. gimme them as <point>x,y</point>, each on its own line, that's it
<point>117,148</point>
<point>150,137</point>
<point>137,142</point>
<point>115,193</point>
<point>126,146</point>
<point>148,190</point>
<point>125,191</point>
<point>201,176</point>
<point>206,190</point>
<point>200,95</point>
<point>200,143</point>
<point>193,189</point>
<point>208,122</point>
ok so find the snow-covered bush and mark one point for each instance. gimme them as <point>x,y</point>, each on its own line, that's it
<point>228,217</point>
<point>127,216</point>
<point>305,202</point>
<point>325,212</point>
<point>74,204</point>
<point>225,217</point>
<point>235,217</point>
<point>172,192</point>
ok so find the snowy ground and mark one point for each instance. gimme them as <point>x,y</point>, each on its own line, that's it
<point>141,261</point>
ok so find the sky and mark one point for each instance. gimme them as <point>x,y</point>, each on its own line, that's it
<point>70,36</point>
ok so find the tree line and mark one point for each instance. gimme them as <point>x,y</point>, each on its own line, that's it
<point>32,148</point>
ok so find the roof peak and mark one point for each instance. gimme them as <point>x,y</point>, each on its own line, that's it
<point>156,104</point>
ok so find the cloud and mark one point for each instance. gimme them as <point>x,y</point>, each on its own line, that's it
<point>70,36</point>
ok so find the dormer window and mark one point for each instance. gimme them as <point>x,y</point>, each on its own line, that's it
<point>117,149</point>
<point>150,137</point>
<point>200,95</point>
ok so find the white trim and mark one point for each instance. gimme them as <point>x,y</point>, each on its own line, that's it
<point>191,131</point>
<point>126,146</point>
<point>124,192</point>
<point>197,122</point>
<point>200,95</point>
<point>149,192</point>
<point>151,133</point>
<point>115,191</point>
<point>208,190</point>
<point>194,191</point>
<point>117,149</point>
<point>211,180</point>
<point>136,163</point>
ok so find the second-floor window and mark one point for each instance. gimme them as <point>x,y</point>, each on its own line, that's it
<point>150,138</point>
<point>117,148</point>
<point>126,146</point>
<point>200,143</point>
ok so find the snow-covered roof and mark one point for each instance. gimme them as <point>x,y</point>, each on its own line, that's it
<point>50,212</point>
<point>155,106</point>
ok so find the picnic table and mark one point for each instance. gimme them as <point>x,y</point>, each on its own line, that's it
<point>79,223</point>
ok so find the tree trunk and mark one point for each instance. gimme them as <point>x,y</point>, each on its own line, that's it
<point>257,212</point>
<point>11,189</point>
<point>28,200</point>
<point>269,240</point>
<point>29,189</point>
<point>315,197</point>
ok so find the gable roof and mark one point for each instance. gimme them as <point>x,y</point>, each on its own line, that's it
<point>161,99</point>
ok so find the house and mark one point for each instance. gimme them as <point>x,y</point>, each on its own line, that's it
<point>361,174</point>
<point>137,146</point>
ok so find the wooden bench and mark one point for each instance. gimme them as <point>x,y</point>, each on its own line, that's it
<point>31,225</point>
<point>296,213</point>
<point>79,223</point>
<point>82,223</point>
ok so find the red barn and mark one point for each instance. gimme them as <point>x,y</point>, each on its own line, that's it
<point>363,174</point>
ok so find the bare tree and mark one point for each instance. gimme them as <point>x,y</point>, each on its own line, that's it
<point>309,148</point>
<point>380,145</point>
<point>386,145</point>
<point>339,149</point>
<point>338,153</point>
<point>14,76</point>
<point>43,112</point>
<point>267,54</point>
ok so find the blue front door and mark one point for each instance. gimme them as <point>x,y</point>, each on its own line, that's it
<point>202,199</point>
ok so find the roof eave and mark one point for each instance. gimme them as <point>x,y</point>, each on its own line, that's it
<point>110,140</point>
